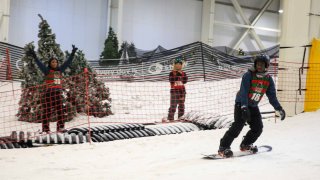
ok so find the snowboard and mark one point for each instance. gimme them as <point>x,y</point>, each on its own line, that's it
<point>261,149</point>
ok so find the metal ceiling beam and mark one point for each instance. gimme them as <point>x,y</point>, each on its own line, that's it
<point>258,16</point>
<point>246,26</point>
<point>247,22</point>
<point>247,7</point>
<point>264,8</point>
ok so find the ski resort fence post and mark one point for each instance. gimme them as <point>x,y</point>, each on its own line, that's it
<point>8,73</point>
<point>86,74</point>
<point>275,82</point>
<point>203,65</point>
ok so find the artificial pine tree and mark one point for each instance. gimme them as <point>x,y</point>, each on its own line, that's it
<point>32,91</point>
<point>98,93</point>
<point>131,49</point>
<point>111,44</point>
<point>75,87</point>
<point>123,47</point>
<point>30,95</point>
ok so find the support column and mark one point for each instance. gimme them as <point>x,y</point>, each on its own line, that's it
<point>109,15</point>
<point>115,18</point>
<point>4,20</point>
<point>207,21</point>
<point>314,29</point>
<point>294,33</point>
<point>119,29</point>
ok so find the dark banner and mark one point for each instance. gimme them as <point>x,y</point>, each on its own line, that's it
<point>201,62</point>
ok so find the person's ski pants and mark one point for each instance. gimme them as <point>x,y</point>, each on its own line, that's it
<point>52,105</point>
<point>177,98</point>
<point>252,135</point>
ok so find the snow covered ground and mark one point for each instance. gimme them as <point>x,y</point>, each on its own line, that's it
<point>295,155</point>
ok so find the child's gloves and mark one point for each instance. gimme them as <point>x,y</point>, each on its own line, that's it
<point>74,49</point>
<point>281,112</point>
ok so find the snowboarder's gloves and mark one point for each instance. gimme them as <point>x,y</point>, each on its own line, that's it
<point>245,114</point>
<point>282,113</point>
<point>74,49</point>
<point>31,53</point>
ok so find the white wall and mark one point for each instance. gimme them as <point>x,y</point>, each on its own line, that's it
<point>314,27</point>
<point>79,22</point>
<point>169,23</point>
<point>4,19</point>
<point>147,23</point>
<point>228,36</point>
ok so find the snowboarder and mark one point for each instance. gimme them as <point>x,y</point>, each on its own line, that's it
<point>255,83</point>
<point>53,95</point>
<point>177,79</point>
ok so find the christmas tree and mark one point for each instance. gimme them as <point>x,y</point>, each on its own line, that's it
<point>130,48</point>
<point>111,44</point>
<point>98,93</point>
<point>128,53</point>
<point>127,49</point>
<point>76,90</point>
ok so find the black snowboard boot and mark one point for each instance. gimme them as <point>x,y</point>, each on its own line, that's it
<point>251,148</point>
<point>225,152</point>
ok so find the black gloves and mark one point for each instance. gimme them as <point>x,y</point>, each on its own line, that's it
<point>245,114</point>
<point>31,53</point>
<point>282,113</point>
<point>74,49</point>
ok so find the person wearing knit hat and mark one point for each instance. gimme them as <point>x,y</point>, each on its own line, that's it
<point>177,79</point>
<point>53,94</point>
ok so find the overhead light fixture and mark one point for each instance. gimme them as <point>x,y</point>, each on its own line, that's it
<point>280,11</point>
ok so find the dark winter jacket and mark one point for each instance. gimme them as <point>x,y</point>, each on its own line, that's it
<point>45,70</point>
<point>248,79</point>
<point>53,76</point>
